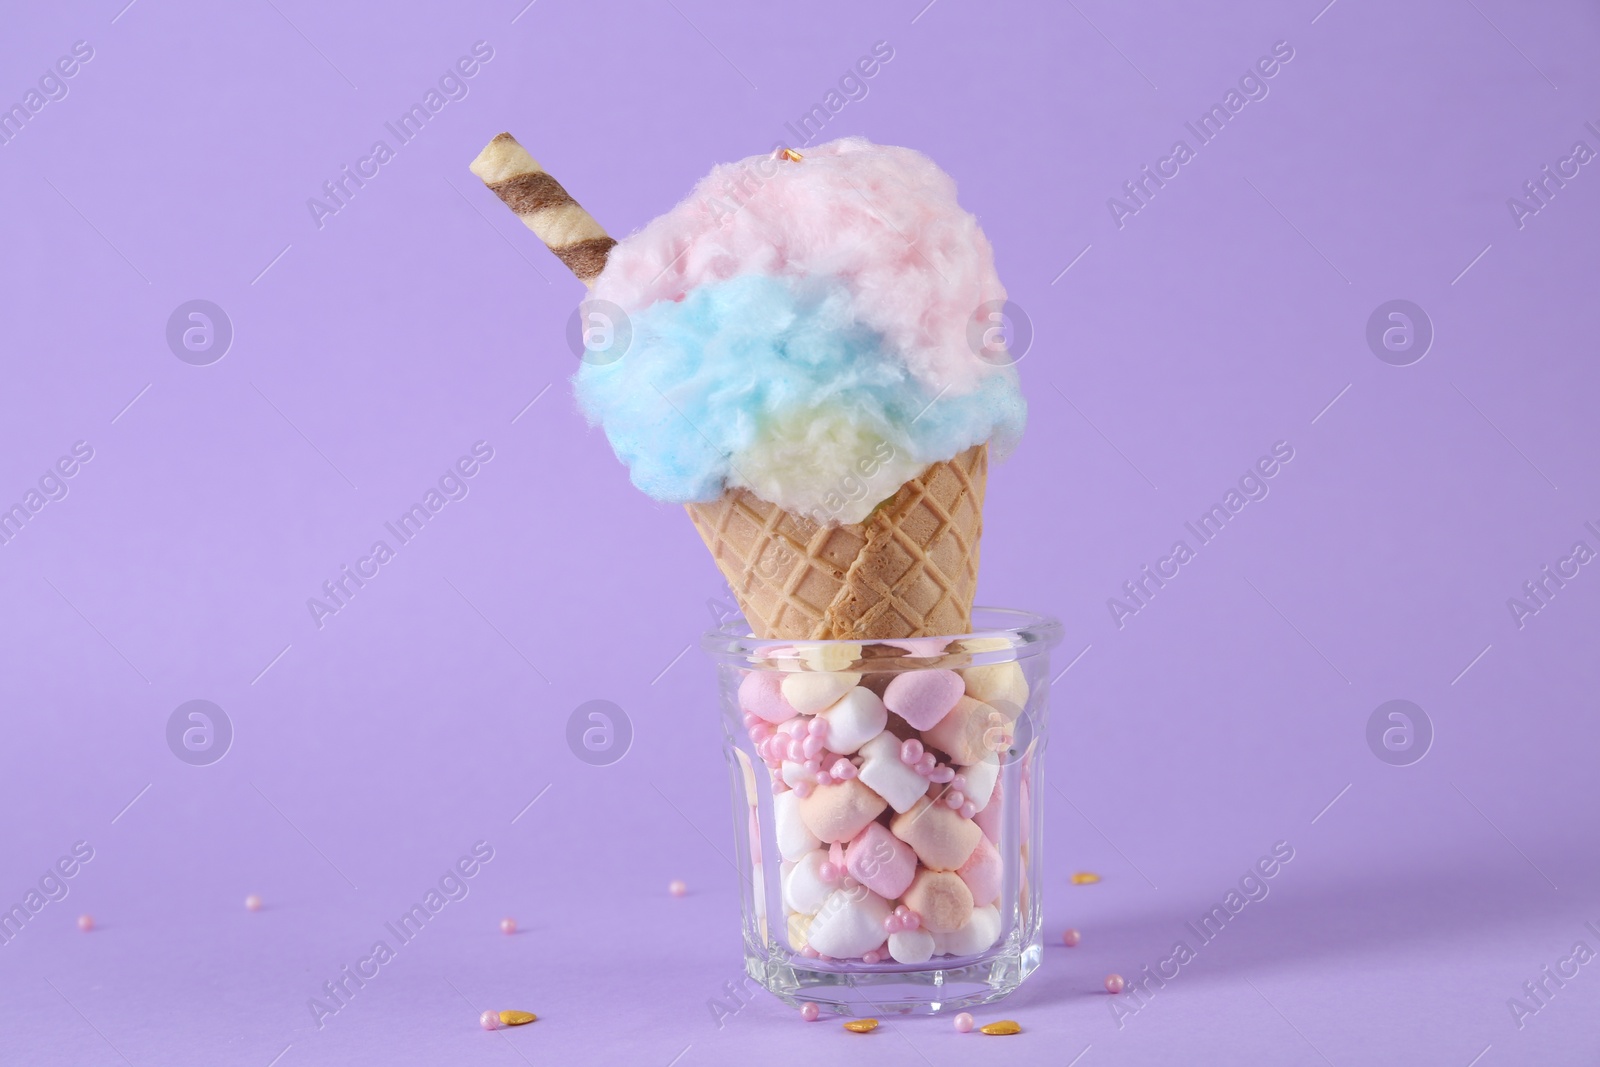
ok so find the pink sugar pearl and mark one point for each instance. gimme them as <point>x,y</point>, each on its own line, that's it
<point>871,957</point>
<point>1114,983</point>
<point>508,926</point>
<point>802,789</point>
<point>910,750</point>
<point>489,1021</point>
<point>677,888</point>
<point>252,902</point>
<point>817,727</point>
<point>810,1012</point>
<point>964,1023</point>
<point>843,770</point>
<point>86,923</point>
<point>1070,937</point>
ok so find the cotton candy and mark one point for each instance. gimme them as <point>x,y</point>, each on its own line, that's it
<point>804,330</point>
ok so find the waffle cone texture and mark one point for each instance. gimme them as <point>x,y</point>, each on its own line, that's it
<point>909,570</point>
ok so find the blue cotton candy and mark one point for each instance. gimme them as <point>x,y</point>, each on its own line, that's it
<point>768,383</point>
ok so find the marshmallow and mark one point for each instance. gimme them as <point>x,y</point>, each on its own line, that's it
<point>808,692</point>
<point>889,776</point>
<point>911,946</point>
<point>794,773</point>
<point>803,888</point>
<point>831,656</point>
<point>979,934</point>
<point>881,861</point>
<point>941,900</point>
<point>981,778</point>
<point>838,812</point>
<point>972,732</point>
<point>999,684</point>
<point>854,719</point>
<point>988,819</point>
<point>794,838</point>
<point>849,923</point>
<point>761,694</point>
<point>922,698</point>
<point>983,872</point>
<point>942,838</point>
<point>799,926</point>
<point>921,647</point>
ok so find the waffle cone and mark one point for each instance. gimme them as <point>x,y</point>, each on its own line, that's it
<point>909,570</point>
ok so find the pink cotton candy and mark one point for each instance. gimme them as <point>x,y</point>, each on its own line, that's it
<point>883,218</point>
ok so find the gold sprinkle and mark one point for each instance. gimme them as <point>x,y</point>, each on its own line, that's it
<point>861,1026</point>
<point>516,1018</point>
<point>1085,878</point>
<point>794,157</point>
<point>1004,1026</point>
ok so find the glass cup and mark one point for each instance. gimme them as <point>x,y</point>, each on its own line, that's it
<point>887,802</point>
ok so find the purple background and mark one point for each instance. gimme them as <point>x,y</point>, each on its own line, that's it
<point>370,353</point>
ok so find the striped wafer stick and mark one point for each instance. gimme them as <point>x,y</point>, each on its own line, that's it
<point>544,206</point>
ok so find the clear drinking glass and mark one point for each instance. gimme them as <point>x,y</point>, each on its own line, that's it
<point>889,861</point>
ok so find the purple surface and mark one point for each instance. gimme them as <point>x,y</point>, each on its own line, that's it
<point>1226,315</point>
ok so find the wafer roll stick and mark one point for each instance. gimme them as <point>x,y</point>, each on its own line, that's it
<point>544,206</point>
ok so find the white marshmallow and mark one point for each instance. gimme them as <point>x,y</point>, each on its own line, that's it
<point>854,719</point>
<point>884,773</point>
<point>794,773</point>
<point>911,946</point>
<point>794,838</point>
<point>978,935</point>
<point>808,692</point>
<point>849,923</point>
<point>980,782</point>
<point>803,888</point>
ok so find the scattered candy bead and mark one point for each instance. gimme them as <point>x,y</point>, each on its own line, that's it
<point>1070,937</point>
<point>508,926</point>
<point>810,1012</point>
<point>861,1026</point>
<point>252,902</point>
<point>1004,1026</point>
<point>1114,983</point>
<point>964,1023</point>
<point>842,769</point>
<point>86,922</point>
<point>1085,878</point>
<point>677,888</point>
<point>910,751</point>
<point>489,1021</point>
<point>871,957</point>
<point>517,1018</point>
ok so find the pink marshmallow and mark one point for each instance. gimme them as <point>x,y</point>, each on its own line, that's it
<point>922,698</point>
<point>988,819</point>
<point>983,872</point>
<point>881,862</point>
<point>761,694</point>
